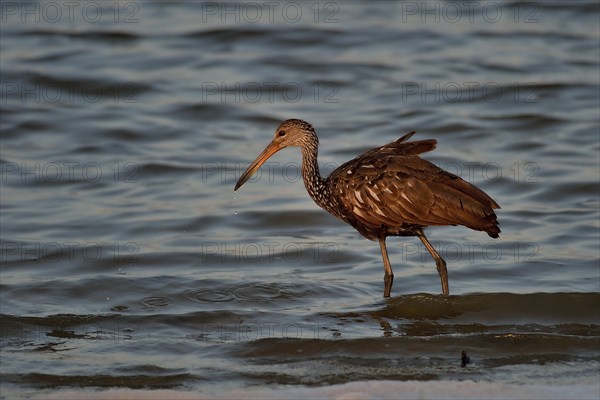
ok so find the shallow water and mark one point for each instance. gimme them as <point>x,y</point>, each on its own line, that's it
<point>128,261</point>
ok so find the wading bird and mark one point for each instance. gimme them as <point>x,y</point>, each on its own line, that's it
<point>387,191</point>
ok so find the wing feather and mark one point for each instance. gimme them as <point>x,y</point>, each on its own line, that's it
<point>392,186</point>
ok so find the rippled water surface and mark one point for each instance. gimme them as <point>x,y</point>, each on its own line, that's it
<point>129,262</point>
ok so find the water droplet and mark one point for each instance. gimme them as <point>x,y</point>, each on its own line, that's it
<point>235,212</point>
<point>108,298</point>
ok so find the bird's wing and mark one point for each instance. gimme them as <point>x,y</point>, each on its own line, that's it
<point>384,187</point>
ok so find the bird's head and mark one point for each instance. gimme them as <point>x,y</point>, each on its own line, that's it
<point>291,132</point>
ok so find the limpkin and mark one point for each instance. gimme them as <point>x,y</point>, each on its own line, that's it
<point>387,191</point>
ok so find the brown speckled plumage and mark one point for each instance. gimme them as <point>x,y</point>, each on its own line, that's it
<point>387,191</point>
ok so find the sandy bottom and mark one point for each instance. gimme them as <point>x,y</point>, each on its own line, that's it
<point>355,390</point>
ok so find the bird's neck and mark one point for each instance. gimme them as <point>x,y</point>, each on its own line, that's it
<point>315,185</point>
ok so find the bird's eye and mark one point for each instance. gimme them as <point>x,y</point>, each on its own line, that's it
<point>281,133</point>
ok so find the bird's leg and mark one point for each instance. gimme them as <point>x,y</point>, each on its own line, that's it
<point>439,262</point>
<point>388,278</point>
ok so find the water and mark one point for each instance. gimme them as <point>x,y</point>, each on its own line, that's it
<point>129,263</point>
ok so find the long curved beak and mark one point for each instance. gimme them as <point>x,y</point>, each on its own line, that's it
<point>271,149</point>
